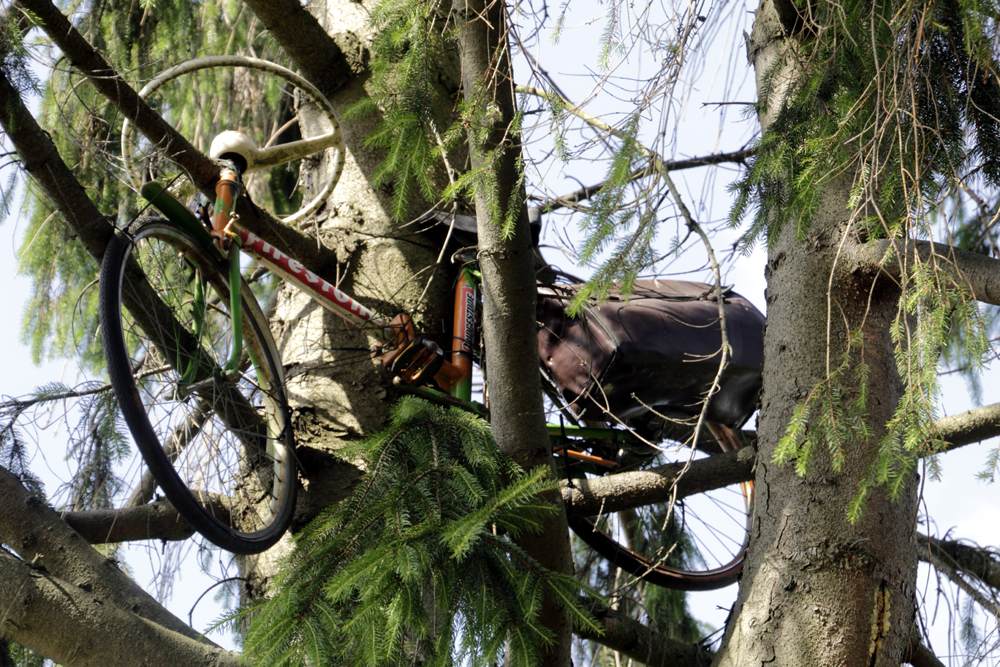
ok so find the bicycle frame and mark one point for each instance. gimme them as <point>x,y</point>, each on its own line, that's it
<point>410,357</point>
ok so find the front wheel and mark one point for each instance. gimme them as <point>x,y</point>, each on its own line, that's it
<point>217,441</point>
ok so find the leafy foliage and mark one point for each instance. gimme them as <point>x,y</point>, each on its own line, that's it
<point>613,219</point>
<point>407,52</point>
<point>422,549</point>
<point>15,655</point>
<point>835,413</point>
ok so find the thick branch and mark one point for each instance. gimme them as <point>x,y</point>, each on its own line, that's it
<point>72,626</point>
<point>636,641</point>
<point>34,530</point>
<point>613,493</point>
<point>155,521</point>
<point>327,61</point>
<point>919,655</point>
<point>203,171</point>
<point>979,272</point>
<point>968,427</point>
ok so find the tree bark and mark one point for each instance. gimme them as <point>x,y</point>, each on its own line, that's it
<point>507,264</point>
<point>74,627</point>
<point>328,61</point>
<point>981,274</point>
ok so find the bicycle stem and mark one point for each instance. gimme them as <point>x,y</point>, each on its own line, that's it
<point>226,192</point>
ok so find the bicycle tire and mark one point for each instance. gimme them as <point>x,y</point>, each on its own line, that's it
<point>219,445</point>
<point>708,572</point>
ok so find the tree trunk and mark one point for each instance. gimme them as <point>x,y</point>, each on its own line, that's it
<point>337,390</point>
<point>817,589</point>
<point>506,260</point>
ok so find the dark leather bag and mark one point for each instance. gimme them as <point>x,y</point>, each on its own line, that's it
<point>658,349</point>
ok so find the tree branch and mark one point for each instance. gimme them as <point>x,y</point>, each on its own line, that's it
<point>892,258</point>
<point>33,529</point>
<point>72,626</point>
<point>327,61</point>
<point>636,641</point>
<point>976,562</point>
<point>625,490</point>
<point>155,521</point>
<point>613,493</point>
<point>203,171</point>
<point>968,427</point>
<point>919,655</point>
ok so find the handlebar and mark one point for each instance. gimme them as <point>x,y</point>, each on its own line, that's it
<point>266,157</point>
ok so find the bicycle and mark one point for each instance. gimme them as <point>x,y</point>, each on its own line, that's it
<point>201,386</point>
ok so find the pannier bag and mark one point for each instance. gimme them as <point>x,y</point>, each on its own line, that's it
<point>658,349</point>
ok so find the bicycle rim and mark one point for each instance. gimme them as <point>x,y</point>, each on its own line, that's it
<point>698,544</point>
<point>219,445</point>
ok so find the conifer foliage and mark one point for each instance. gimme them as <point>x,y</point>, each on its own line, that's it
<point>420,562</point>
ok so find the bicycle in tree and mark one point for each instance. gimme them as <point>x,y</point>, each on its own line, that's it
<point>201,384</point>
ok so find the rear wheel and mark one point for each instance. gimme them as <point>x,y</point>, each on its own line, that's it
<point>696,544</point>
<point>217,442</point>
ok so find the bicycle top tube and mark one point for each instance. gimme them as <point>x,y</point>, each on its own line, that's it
<point>305,280</point>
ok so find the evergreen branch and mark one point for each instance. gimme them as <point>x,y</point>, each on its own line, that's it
<point>357,586</point>
<point>39,156</point>
<point>659,166</point>
<point>919,655</point>
<point>202,169</point>
<point>21,404</point>
<point>570,199</point>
